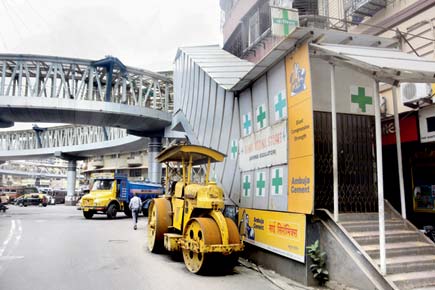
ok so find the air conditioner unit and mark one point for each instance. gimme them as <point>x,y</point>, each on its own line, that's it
<point>413,92</point>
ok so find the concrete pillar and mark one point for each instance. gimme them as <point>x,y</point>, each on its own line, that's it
<point>71,182</point>
<point>154,168</point>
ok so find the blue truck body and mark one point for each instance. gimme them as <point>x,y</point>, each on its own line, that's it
<point>145,191</point>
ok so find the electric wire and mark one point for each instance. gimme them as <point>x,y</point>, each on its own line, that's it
<point>12,20</point>
<point>379,27</point>
<point>12,9</point>
<point>37,13</point>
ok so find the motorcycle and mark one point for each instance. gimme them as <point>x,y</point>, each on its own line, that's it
<point>3,207</point>
<point>429,232</point>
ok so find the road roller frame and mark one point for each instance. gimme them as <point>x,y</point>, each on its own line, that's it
<point>189,217</point>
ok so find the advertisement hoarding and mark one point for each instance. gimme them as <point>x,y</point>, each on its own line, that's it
<point>279,232</point>
<point>300,132</point>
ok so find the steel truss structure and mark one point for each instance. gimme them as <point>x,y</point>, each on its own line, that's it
<point>80,79</point>
<point>25,168</point>
<point>60,136</point>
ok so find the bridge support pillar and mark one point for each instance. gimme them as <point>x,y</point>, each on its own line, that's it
<point>154,168</point>
<point>71,182</point>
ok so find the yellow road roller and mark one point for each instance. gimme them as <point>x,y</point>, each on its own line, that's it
<point>189,217</point>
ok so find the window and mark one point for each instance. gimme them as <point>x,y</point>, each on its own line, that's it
<point>430,124</point>
<point>135,172</point>
<point>254,28</point>
<point>102,185</point>
<point>134,154</point>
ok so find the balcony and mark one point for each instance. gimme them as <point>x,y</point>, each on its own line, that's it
<point>257,31</point>
<point>97,163</point>
<point>134,161</point>
<point>358,10</point>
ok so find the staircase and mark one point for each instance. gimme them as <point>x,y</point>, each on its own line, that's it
<point>410,254</point>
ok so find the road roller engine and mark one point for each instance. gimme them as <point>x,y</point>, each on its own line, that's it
<point>189,217</point>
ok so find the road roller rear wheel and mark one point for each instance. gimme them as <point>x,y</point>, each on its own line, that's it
<point>203,231</point>
<point>159,219</point>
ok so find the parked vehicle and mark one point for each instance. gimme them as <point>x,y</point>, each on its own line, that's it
<point>38,199</point>
<point>111,193</point>
<point>48,194</point>
<point>189,218</point>
<point>59,195</point>
<point>16,191</point>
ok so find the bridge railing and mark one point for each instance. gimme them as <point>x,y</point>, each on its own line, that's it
<point>33,168</point>
<point>78,79</point>
<point>60,136</point>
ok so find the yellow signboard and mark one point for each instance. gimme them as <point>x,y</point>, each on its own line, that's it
<point>279,232</point>
<point>301,132</point>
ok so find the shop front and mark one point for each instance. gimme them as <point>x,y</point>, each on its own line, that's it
<point>418,154</point>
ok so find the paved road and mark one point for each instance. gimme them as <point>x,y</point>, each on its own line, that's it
<point>55,248</point>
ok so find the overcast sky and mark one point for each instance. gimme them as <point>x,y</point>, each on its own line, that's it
<point>141,33</point>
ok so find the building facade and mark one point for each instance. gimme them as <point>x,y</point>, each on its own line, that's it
<point>265,100</point>
<point>132,164</point>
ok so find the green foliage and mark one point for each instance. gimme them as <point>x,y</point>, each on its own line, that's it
<point>318,266</point>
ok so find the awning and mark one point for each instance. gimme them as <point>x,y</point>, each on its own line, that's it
<point>388,65</point>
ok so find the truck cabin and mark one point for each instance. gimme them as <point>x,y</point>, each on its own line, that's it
<point>192,159</point>
<point>107,181</point>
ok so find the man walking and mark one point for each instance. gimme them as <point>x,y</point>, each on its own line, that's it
<point>135,206</point>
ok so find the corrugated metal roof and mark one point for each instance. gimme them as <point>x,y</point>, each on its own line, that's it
<point>223,67</point>
<point>388,64</point>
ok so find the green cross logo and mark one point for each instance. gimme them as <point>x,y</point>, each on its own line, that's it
<point>286,22</point>
<point>361,99</point>
<point>247,186</point>
<point>234,149</point>
<point>261,117</point>
<point>277,182</point>
<point>280,105</point>
<point>261,184</point>
<point>247,123</point>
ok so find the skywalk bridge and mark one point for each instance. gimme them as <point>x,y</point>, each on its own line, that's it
<point>78,91</point>
<point>112,103</point>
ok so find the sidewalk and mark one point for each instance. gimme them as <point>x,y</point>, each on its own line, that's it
<point>285,283</point>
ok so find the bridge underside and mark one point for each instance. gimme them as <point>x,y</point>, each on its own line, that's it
<point>126,144</point>
<point>37,109</point>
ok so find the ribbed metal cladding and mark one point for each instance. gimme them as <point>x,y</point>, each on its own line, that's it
<point>356,165</point>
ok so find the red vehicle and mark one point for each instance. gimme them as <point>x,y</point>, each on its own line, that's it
<point>16,191</point>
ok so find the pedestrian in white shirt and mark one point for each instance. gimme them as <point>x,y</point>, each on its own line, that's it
<point>135,206</point>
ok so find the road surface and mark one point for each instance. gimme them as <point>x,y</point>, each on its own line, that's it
<point>55,248</point>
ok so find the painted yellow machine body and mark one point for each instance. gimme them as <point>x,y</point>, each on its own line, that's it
<point>195,224</point>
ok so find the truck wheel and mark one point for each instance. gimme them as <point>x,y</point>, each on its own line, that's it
<point>111,211</point>
<point>145,212</point>
<point>88,214</point>
<point>127,211</point>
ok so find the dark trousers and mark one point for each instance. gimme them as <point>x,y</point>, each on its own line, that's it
<point>134,215</point>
